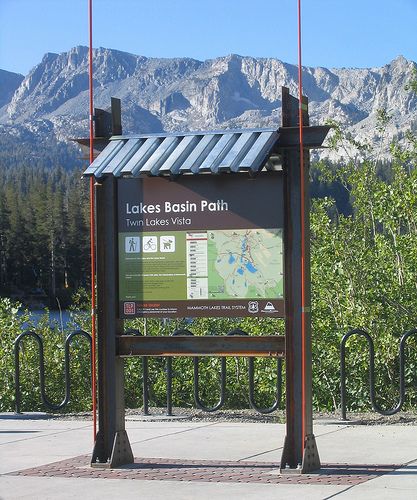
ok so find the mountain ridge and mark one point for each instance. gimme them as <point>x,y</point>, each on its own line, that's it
<point>9,83</point>
<point>174,94</point>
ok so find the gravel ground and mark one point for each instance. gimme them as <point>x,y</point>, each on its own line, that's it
<point>193,415</point>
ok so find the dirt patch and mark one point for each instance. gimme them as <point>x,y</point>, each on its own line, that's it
<point>249,415</point>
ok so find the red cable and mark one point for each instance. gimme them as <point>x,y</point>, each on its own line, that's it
<point>92,226</point>
<point>302,189</point>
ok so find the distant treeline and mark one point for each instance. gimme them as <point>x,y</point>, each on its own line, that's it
<point>44,236</point>
<point>25,149</point>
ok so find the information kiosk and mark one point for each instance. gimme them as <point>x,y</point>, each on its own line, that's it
<point>205,224</point>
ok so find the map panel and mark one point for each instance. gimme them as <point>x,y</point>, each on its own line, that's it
<point>245,263</point>
<point>215,264</point>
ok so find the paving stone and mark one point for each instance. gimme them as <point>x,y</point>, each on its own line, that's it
<point>160,469</point>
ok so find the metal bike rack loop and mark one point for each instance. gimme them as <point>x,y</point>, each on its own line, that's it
<point>44,398</point>
<point>375,406</point>
<point>251,375</point>
<point>145,373</point>
<point>197,398</point>
<point>169,374</point>
<point>251,371</point>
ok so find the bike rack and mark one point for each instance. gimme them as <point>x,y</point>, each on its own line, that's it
<point>145,367</point>
<point>251,373</point>
<point>39,340</point>
<point>375,405</point>
<point>197,399</point>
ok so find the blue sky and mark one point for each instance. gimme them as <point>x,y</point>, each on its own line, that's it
<point>336,33</point>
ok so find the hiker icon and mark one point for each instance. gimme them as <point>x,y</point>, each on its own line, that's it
<point>132,244</point>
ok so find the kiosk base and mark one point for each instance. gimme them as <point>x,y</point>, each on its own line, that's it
<point>310,461</point>
<point>121,452</point>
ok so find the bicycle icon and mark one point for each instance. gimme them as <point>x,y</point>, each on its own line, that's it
<point>150,244</point>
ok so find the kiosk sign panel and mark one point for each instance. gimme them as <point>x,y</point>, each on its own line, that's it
<point>209,246</point>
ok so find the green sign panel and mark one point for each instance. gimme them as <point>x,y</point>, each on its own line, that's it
<point>201,246</point>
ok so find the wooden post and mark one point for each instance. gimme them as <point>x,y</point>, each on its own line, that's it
<point>112,447</point>
<point>300,451</point>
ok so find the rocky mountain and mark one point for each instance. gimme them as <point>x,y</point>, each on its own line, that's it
<point>51,102</point>
<point>9,83</point>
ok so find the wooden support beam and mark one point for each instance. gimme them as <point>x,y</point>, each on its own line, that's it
<point>236,345</point>
<point>111,447</point>
<point>313,137</point>
<point>300,454</point>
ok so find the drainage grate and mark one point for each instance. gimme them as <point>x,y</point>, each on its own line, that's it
<point>160,469</point>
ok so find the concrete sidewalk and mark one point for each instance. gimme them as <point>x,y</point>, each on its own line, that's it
<point>188,460</point>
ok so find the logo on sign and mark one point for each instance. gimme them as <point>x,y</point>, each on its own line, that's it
<point>269,308</point>
<point>129,308</point>
<point>253,306</point>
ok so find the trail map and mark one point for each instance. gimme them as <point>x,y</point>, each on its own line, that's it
<point>245,263</point>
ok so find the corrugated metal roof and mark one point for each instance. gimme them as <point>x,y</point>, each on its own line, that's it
<point>193,153</point>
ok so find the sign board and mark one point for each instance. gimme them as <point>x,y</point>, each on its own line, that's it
<point>201,246</point>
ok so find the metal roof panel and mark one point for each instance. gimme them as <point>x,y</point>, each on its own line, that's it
<point>179,153</point>
<point>104,158</point>
<point>219,151</point>
<point>198,155</point>
<point>124,154</point>
<point>177,158</point>
<point>154,162</point>
<point>232,160</point>
<point>141,156</point>
<point>256,155</point>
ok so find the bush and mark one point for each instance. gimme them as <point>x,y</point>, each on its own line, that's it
<point>13,321</point>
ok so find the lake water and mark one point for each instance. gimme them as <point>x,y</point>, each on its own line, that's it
<point>60,318</point>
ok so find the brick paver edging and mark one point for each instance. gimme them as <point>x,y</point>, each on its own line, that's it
<point>217,471</point>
